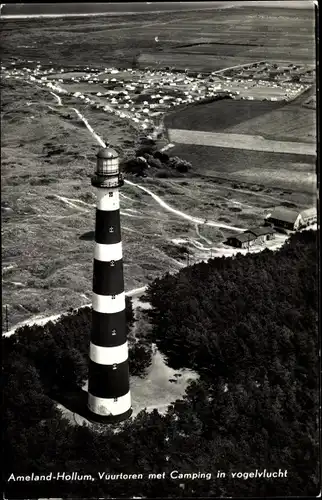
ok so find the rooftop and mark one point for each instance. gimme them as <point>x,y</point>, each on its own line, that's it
<point>284,214</point>
<point>107,153</point>
<point>243,237</point>
<point>260,231</point>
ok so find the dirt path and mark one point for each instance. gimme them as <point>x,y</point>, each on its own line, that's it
<point>182,214</point>
<point>58,98</point>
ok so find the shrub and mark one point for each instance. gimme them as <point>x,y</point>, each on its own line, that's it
<point>179,164</point>
<point>162,175</point>
<point>145,149</point>
<point>163,157</point>
<point>135,166</point>
<point>154,162</point>
<point>140,358</point>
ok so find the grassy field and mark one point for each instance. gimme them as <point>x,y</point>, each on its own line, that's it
<point>238,36</point>
<point>262,33</point>
<point>270,170</point>
<point>48,213</point>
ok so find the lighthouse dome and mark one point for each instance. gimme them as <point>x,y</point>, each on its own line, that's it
<point>107,153</point>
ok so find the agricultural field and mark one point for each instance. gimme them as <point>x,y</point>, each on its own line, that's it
<point>271,144</point>
<point>292,121</point>
<point>290,174</point>
<point>295,121</point>
<point>241,141</point>
<point>218,115</point>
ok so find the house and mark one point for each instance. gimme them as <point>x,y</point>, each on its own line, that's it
<point>240,241</point>
<point>291,220</point>
<point>262,233</point>
<point>284,218</point>
<point>253,236</point>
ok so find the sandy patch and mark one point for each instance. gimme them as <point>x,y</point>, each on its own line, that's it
<point>161,386</point>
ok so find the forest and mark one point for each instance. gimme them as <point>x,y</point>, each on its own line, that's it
<point>248,325</point>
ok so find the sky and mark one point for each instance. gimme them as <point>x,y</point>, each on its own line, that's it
<point>87,8</point>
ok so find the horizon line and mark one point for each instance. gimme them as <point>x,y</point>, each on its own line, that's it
<point>90,14</point>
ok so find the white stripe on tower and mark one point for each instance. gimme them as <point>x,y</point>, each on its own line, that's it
<point>108,252</point>
<point>108,355</point>
<point>96,405</point>
<point>106,202</point>
<point>106,304</point>
<point>109,397</point>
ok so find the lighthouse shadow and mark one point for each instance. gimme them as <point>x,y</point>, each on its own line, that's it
<point>74,401</point>
<point>89,236</point>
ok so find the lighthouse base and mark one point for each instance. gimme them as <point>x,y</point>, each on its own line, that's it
<point>106,419</point>
<point>77,403</point>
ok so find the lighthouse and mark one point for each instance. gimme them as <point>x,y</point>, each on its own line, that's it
<point>109,398</point>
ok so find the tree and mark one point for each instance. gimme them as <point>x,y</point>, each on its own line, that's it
<point>245,325</point>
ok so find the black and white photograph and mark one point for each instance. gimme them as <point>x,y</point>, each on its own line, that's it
<point>160,249</point>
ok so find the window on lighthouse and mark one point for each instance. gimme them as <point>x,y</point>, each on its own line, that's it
<point>114,332</point>
<point>113,296</point>
<point>114,367</point>
<point>115,400</point>
<point>112,262</point>
<point>110,194</point>
<point>105,165</point>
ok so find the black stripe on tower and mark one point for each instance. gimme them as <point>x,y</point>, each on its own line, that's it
<point>107,227</point>
<point>108,381</point>
<point>108,277</point>
<point>108,330</point>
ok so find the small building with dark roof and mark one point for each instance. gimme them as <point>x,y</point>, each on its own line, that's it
<point>284,218</point>
<point>253,236</point>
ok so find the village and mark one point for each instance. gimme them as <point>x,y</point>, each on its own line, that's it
<point>143,96</point>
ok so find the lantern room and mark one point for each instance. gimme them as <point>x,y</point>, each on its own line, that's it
<point>107,162</point>
<point>107,173</point>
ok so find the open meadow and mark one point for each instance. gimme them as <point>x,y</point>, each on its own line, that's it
<point>243,36</point>
<point>216,38</point>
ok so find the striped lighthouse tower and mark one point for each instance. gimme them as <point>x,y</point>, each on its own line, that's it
<point>109,398</point>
